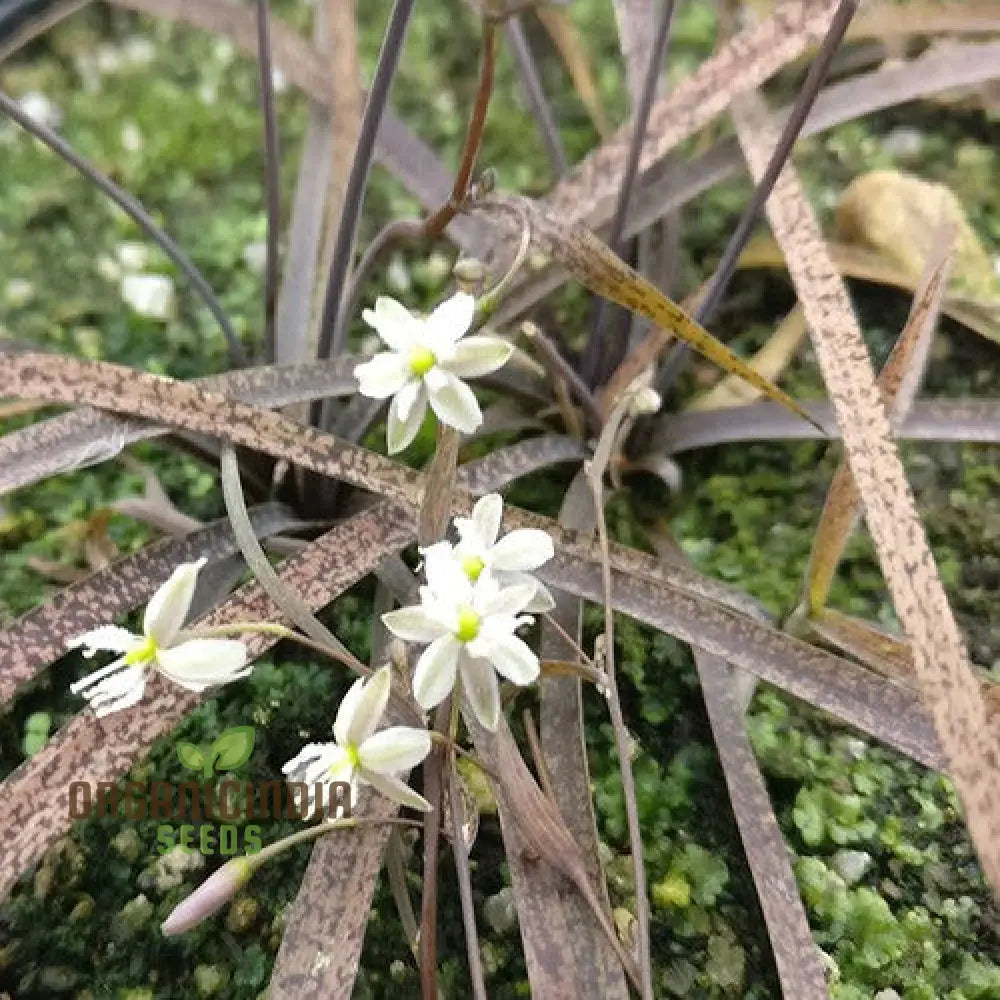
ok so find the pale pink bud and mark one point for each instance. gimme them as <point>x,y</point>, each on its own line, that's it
<point>209,897</point>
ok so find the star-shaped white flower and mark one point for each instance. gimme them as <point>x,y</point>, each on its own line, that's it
<point>195,664</point>
<point>361,756</point>
<point>427,359</point>
<point>471,630</point>
<point>509,559</point>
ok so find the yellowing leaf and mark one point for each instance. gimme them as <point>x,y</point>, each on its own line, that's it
<point>896,214</point>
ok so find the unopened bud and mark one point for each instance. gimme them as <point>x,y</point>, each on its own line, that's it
<point>209,897</point>
<point>645,401</point>
<point>469,273</point>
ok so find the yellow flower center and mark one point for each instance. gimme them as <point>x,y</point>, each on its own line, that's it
<point>353,756</point>
<point>422,360</point>
<point>473,566</point>
<point>141,654</point>
<point>468,625</point>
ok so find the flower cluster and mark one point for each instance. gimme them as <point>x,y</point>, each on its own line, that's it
<point>470,610</point>
<point>427,359</point>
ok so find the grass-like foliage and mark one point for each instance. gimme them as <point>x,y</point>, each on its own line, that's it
<point>540,710</point>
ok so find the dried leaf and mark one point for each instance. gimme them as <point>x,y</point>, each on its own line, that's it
<point>897,216</point>
<point>947,684</point>
<point>891,21</point>
<point>981,316</point>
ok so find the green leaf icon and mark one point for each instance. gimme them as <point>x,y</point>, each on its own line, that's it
<point>233,748</point>
<point>190,756</point>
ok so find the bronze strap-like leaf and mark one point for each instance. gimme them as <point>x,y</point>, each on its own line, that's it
<point>949,688</point>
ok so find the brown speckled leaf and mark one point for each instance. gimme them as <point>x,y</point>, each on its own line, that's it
<point>39,637</point>
<point>930,420</point>
<point>898,381</point>
<point>949,688</point>
<point>795,953</point>
<point>599,975</point>
<point>889,712</point>
<point>86,436</point>
<point>36,796</point>
<point>712,618</point>
<point>541,850</point>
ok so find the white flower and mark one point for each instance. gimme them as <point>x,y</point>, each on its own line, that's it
<point>196,664</point>
<point>361,756</point>
<point>426,362</point>
<point>470,628</point>
<point>509,559</point>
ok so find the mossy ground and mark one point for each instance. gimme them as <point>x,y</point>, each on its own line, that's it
<point>85,923</point>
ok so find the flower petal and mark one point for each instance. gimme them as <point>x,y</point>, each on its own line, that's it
<point>202,663</point>
<point>395,749</point>
<point>383,376</point>
<point>451,319</point>
<point>486,516</point>
<point>402,429</point>
<point>113,688</point>
<point>169,606</point>
<point>413,624</point>
<point>361,710</point>
<point>511,656</point>
<point>394,323</point>
<point>479,685</point>
<point>434,674</point>
<point>446,581</point>
<point>476,356</point>
<point>108,637</point>
<point>542,602</point>
<point>507,600</point>
<point>524,549</point>
<point>396,790</point>
<point>453,401</point>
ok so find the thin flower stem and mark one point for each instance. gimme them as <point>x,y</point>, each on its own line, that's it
<point>595,471</point>
<point>271,176</point>
<point>329,826</point>
<point>411,230</point>
<point>559,368</point>
<point>436,223</point>
<point>535,745</point>
<point>432,836</point>
<point>489,300</point>
<point>569,640</point>
<point>460,852</point>
<point>283,632</point>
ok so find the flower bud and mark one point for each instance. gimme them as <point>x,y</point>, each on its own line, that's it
<point>469,273</point>
<point>209,897</point>
<point>645,401</point>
